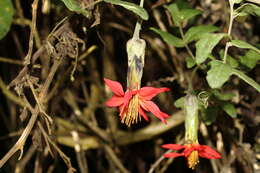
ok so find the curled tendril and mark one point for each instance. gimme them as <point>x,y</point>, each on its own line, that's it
<point>203,97</point>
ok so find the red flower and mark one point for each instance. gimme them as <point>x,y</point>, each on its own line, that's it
<point>134,103</point>
<point>191,152</point>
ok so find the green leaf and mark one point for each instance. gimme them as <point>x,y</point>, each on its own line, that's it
<point>187,14</point>
<point>244,45</point>
<point>230,60</point>
<point>195,32</point>
<point>169,38</point>
<point>131,7</point>
<point>229,109</point>
<point>210,114</point>
<point>179,103</point>
<point>6,17</point>
<point>205,45</point>
<point>190,62</point>
<point>250,59</point>
<point>218,74</point>
<point>247,79</point>
<point>247,9</point>
<point>223,96</point>
<point>175,13</point>
<point>74,6</point>
<point>180,15</point>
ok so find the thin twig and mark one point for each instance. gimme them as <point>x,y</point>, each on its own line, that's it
<point>10,95</point>
<point>26,22</point>
<point>115,159</point>
<point>21,141</point>
<point>11,61</point>
<point>65,158</point>
<point>19,8</point>
<point>37,101</point>
<point>80,154</point>
<point>204,132</point>
<point>125,138</point>
<point>22,163</point>
<point>99,132</point>
<point>33,28</point>
<point>157,162</point>
<point>39,52</point>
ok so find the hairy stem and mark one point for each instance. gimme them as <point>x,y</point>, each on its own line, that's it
<point>231,18</point>
<point>138,24</point>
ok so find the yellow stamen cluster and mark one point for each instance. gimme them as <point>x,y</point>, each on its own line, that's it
<point>132,115</point>
<point>193,159</point>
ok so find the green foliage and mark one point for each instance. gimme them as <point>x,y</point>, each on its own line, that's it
<point>246,78</point>
<point>131,7</point>
<point>205,46</point>
<point>222,96</point>
<point>218,74</point>
<point>74,6</point>
<point>179,103</point>
<point>6,17</point>
<point>248,9</point>
<point>220,71</point>
<point>195,32</point>
<point>175,13</point>
<point>190,62</point>
<point>210,114</point>
<point>250,59</point>
<point>230,109</point>
<point>189,13</point>
<point>220,101</point>
<point>244,45</point>
<point>230,60</point>
<point>169,38</point>
<point>181,15</point>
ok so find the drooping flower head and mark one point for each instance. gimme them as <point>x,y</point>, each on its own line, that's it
<point>192,152</point>
<point>133,103</point>
<point>136,100</point>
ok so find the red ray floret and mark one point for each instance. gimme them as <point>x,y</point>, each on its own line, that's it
<point>204,151</point>
<point>143,102</point>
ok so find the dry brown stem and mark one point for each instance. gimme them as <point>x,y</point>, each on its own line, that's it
<point>35,112</point>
